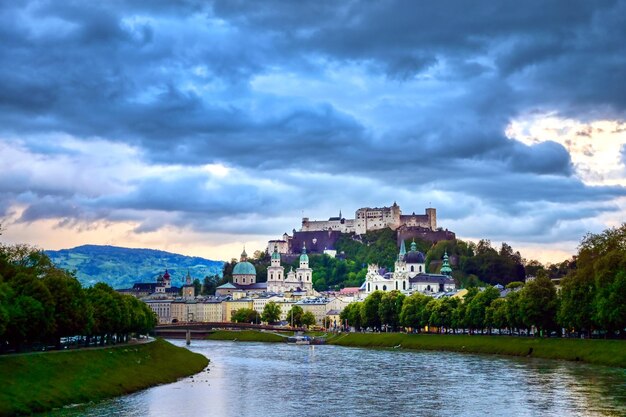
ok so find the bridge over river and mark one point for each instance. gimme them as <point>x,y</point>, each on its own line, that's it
<point>201,330</point>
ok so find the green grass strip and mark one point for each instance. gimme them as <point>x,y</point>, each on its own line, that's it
<point>246,336</point>
<point>43,381</point>
<point>599,352</point>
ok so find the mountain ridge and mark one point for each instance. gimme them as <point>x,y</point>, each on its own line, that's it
<point>122,267</point>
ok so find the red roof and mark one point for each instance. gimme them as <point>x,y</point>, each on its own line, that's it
<point>349,290</point>
<point>166,275</point>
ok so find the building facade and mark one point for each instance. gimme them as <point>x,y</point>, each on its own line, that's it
<point>409,275</point>
<point>373,218</point>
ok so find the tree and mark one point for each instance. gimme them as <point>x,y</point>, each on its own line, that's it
<point>71,311</point>
<point>308,319</point>
<point>352,314</point>
<point>538,304</point>
<point>294,316</point>
<point>411,314</point>
<point>271,313</point>
<point>576,308</point>
<point>477,306</point>
<point>513,312</point>
<point>197,286</point>
<point>369,310</point>
<point>245,315</point>
<point>495,314</point>
<point>611,304</point>
<point>390,307</point>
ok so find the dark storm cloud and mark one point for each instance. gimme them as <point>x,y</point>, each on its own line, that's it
<point>176,80</point>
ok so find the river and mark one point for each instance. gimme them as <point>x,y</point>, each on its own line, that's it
<point>259,379</point>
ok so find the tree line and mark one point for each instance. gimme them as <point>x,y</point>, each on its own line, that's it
<point>40,305</point>
<point>592,299</point>
<point>296,316</point>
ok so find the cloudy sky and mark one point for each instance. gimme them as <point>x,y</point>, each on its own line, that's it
<point>198,126</point>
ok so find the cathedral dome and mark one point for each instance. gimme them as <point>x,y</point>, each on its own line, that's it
<point>414,258</point>
<point>244,268</point>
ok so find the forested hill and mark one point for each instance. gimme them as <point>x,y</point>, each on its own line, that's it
<point>472,263</point>
<point>122,267</point>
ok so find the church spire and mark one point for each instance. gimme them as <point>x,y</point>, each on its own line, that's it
<point>402,251</point>
<point>445,267</point>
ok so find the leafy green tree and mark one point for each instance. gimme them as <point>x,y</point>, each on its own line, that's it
<point>369,311</point>
<point>352,314</point>
<point>611,304</point>
<point>320,284</point>
<point>107,314</point>
<point>245,315</point>
<point>294,315</point>
<point>538,304</point>
<point>389,309</point>
<point>308,319</point>
<point>477,306</point>
<point>576,308</point>
<point>197,286</point>
<point>495,314</point>
<point>71,311</point>
<point>412,312</point>
<point>271,312</point>
<point>514,318</point>
<point>4,312</point>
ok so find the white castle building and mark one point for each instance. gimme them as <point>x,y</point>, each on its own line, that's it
<point>367,218</point>
<point>409,275</point>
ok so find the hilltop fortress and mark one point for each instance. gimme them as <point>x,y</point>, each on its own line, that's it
<point>367,219</point>
<point>320,236</point>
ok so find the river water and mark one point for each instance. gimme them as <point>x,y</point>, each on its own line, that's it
<point>259,379</point>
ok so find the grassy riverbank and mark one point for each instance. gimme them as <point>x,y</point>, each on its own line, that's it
<point>43,381</point>
<point>246,336</point>
<point>600,352</point>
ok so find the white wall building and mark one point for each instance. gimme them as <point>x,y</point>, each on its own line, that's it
<point>409,277</point>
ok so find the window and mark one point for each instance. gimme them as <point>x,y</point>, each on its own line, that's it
<point>404,285</point>
<point>412,268</point>
<point>396,285</point>
<point>384,288</point>
<point>420,268</point>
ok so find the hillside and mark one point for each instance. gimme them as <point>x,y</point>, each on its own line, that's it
<point>122,267</point>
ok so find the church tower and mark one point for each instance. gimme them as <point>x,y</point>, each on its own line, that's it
<point>445,267</point>
<point>189,291</point>
<point>275,273</point>
<point>304,273</point>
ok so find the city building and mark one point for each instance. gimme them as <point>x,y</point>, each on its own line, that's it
<point>373,218</point>
<point>244,277</point>
<point>321,236</point>
<point>409,275</point>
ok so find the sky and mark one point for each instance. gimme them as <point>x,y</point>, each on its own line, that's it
<point>200,126</point>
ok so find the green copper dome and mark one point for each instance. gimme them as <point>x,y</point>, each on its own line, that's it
<point>304,257</point>
<point>244,268</point>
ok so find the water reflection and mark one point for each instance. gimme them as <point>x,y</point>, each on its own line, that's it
<point>256,379</point>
